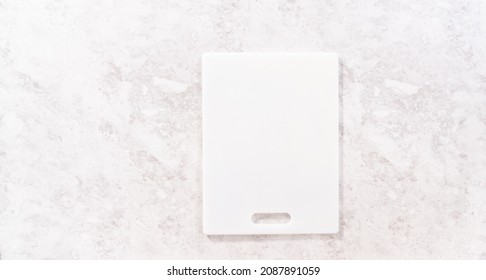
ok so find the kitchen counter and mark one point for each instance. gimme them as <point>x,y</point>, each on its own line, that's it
<point>100,126</point>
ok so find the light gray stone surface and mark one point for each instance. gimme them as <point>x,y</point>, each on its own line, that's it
<point>100,126</point>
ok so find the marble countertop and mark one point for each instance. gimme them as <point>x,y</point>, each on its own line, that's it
<point>100,126</point>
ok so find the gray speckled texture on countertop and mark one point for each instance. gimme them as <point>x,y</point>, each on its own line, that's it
<point>100,126</point>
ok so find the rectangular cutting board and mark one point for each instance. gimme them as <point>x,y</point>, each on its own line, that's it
<point>270,143</point>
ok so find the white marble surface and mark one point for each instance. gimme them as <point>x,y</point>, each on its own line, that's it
<point>100,126</point>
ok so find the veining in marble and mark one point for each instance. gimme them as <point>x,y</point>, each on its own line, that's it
<point>100,126</point>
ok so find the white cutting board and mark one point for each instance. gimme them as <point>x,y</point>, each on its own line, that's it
<point>270,143</point>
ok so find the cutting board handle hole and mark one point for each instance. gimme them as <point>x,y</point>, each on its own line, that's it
<point>270,218</point>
